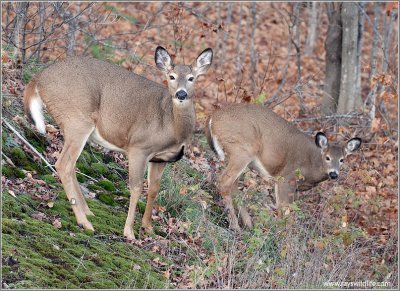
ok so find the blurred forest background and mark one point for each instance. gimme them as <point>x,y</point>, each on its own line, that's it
<point>325,66</point>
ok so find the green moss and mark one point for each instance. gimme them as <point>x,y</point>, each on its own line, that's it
<point>106,185</point>
<point>126,192</point>
<point>84,168</point>
<point>94,187</point>
<point>49,179</point>
<point>107,198</point>
<point>85,157</point>
<point>141,206</point>
<point>9,172</point>
<point>3,137</point>
<point>47,257</point>
<point>81,178</point>
<point>99,168</point>
<point>113,177</point>
<point>18,156</point>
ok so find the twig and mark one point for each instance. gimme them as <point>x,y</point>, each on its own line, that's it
<point>28,144</point>
<point>36,152</point>
<point>337,116</point>
<point>8,160</point>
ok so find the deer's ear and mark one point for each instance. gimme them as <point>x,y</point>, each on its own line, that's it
<point>203,62</point>
<point>163,59</point>
<point>352,145</point>
<point>321,141</point>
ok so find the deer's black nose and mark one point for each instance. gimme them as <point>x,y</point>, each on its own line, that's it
<point>181,95</point>
<point>333,175</point>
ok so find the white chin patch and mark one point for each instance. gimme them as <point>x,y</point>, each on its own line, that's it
<point>180,102</point>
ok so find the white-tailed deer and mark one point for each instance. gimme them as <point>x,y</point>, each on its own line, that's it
<point>253,136</point>
<point>122,111</point>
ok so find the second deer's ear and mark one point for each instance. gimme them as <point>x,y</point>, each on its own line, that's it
<point>321,141</point>
<point>163,59</point>
<point>203,62</point>
<point>352,145</point>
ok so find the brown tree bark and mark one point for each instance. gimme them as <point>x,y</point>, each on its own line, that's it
<point>333,48</point>
<point>348,96</point>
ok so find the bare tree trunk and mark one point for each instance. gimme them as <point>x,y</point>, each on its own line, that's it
<point>218,42</point>
<point>253,56</point>
<point>388,30</point>
<point>297,41</point>
<point>348,82</point>
<point>372,94</point>
<point>228,22</point>
<point>312,29</point>
<point>69,18</point>
<point>360,42</point>
<point>25,6</point>
<point>15,38</point>
<point>333,63</point>
<point>374,49</point>
<point>238,57</point>
<point>42,15</point>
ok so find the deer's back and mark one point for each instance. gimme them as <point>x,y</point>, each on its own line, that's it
<point>258,131</point>
<point>87,88</point>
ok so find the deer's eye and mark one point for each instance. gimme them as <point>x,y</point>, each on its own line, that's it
<point>327,158</point>
<point>171,77</point>
<point>341,160</point>
<point>191,79</point>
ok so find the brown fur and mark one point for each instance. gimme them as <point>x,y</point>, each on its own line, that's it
<point>254,136</point>
<point>121,110</point>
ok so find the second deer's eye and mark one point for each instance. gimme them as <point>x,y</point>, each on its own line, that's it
<point>191,79</point>
<point>328,158</point>
<point>171,77</point>
<point>341,160</point>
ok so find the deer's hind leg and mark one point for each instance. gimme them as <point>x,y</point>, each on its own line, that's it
<point>241,208</point>
<point>227,181</point>
<point>75,140</point>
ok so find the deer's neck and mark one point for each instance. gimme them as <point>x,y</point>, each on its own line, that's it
<point>184,121</point>
<point>318,173</point>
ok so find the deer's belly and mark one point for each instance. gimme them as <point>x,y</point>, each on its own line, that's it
<point>168,156</point>
<point>97,138</point>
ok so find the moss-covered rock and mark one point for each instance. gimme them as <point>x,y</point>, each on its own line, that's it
<point>106,185</point>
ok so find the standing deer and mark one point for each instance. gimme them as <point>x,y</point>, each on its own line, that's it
<point>122,111</point>
<point>253,136</point>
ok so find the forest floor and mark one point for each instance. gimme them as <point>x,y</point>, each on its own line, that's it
<point>344,231</point>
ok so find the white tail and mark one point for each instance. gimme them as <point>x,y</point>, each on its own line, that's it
<point>96,100</point>
<point>253,136</point>
<point>37,114</point>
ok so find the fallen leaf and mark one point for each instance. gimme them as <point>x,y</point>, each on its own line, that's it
<point>39,216</point>
<point>57,223</point>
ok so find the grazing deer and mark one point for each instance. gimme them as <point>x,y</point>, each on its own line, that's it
<point>122,111</point>
<point>253,136</point>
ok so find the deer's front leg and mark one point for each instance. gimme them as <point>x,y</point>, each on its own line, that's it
<point>137,164</point>
<point>154,180</point>
<point>285,191</point>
